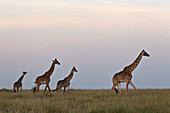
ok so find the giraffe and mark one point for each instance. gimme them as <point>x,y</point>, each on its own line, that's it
<point>45,79</point>
<point>18,84</point>
<point>126,74</point>
<point>66,81</point>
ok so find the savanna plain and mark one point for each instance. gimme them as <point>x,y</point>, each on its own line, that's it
<point>86,101</point>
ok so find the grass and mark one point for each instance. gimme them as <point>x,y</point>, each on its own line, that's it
<point>86,101</point>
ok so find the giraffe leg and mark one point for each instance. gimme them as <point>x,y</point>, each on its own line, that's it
<point>17,89</point>
<point>114,88</point>
<point>127,84</point>
<point>45,88</point>
<point>119,88</point>
<point>14,89</point>
<point>49,88</point>
<point>21,88</point>
<point>133,87</point>
<point>47,84</point>
<point>37,89</point>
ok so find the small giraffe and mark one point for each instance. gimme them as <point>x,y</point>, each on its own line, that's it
<point>45,79</point>
<point>66,81</point>
<point>126,74</point>
<point>18,84</point>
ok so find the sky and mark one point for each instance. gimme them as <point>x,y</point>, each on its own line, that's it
<point>98,37</point>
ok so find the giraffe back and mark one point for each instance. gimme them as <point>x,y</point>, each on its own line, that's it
<point>63,83</point>
<point>42,80</point>
<point>122,77</point>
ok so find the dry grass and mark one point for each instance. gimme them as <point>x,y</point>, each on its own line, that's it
<point>86,101</point>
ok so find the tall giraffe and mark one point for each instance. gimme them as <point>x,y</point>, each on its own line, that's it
<point>126,74</point>
<point>18,84</point>
<point>66,81</point>
<point>45,79</point>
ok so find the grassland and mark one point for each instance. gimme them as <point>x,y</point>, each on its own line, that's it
<point>86,101</point>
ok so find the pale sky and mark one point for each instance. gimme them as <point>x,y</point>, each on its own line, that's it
<point>98,37</point>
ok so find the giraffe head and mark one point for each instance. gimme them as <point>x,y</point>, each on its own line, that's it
<point>74,69</point>
<point>24,72</point>
<point>56,62</point>
<point>144,53</point>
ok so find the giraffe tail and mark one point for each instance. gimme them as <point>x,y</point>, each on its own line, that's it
<point>34,89</point>
<point>54,90</point>
<point>116,91</point>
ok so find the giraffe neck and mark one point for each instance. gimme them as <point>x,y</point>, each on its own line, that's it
<point>70,76</point>
<point>21,78</point>
<point>50,71</point>
<point>135,63</point>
